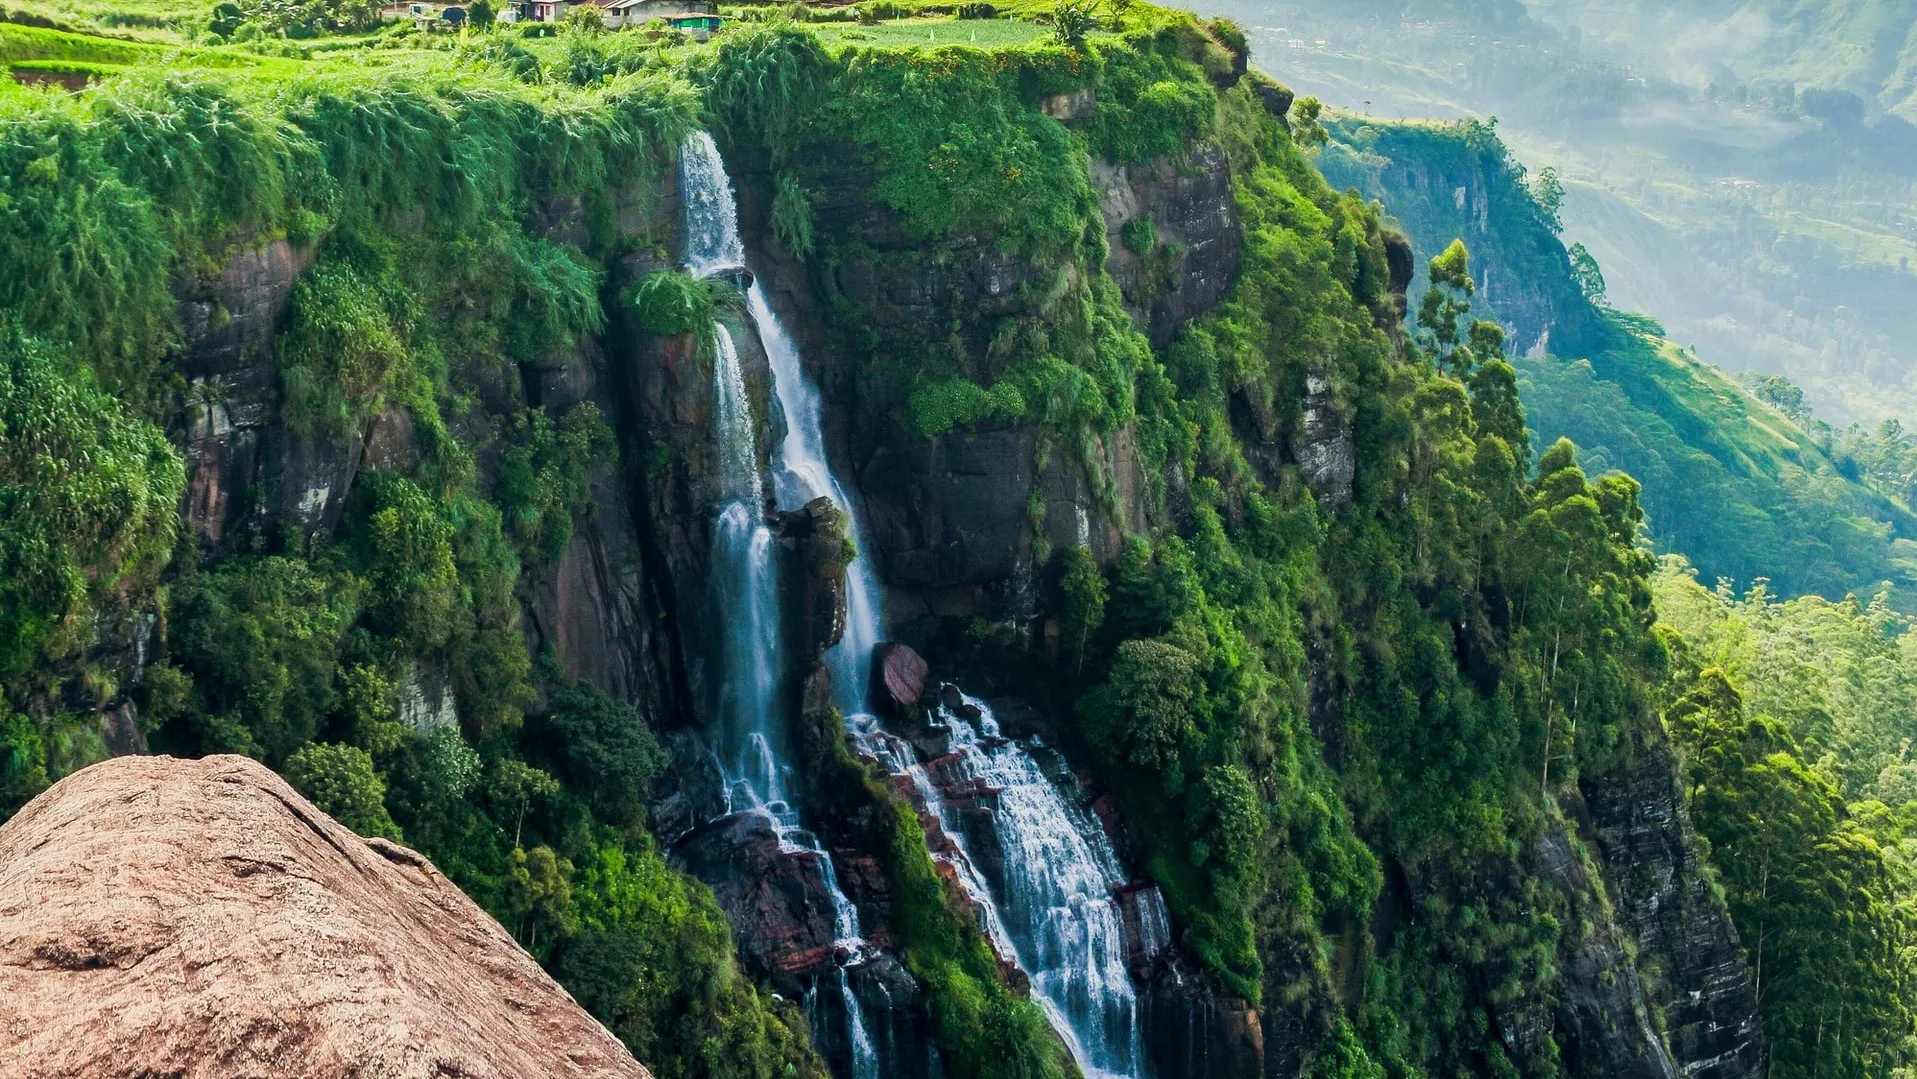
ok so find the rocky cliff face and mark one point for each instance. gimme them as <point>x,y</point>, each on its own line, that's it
<point>201,919</point>
<point>1444,184</point>
<point>1694,968</point>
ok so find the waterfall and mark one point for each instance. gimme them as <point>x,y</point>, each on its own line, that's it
<point>805,475</point>
<point>1051,906</point>
<point>748,705</point>
<point>712,213</point>
<point>745,587</point>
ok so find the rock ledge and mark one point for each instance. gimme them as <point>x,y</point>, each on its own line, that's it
<point>200,919</point>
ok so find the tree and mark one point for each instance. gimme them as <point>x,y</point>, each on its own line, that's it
<point>1453,342</point>
<point>1587,274</point>
<point>1306,130</point>
<point>1809,891</point>
<point>1547,192</point>
<point>481,14</point>
<point>401,541</point>
<point>586,19</point>
<point>23,762</point>
<point>1148,709</point>
<point>540,896</point>
<point>1084,586</point>
<point>603,748</point>
<point>261,638</point>
<point>88,497</point>
<point>515,784</point>
<point>340,780</point>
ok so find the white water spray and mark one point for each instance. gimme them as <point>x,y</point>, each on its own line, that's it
<point>1052,908</point>
<point>805,475</point>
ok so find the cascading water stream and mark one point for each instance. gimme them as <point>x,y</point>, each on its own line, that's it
<point>745,584</point>
<point>1051,905</point>
<point>1051,909</point>
<point>805,475</point>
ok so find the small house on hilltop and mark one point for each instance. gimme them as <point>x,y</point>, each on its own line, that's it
<point>426,16</point>
<point>543,10</point>
<point>622,13</point>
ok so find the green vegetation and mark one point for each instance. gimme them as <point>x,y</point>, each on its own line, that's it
<point>545,477</point>
<point>87,497</point>
<point>672,302</point>
<point>1297,685</point>
<point>1795,719</point>
<point>1741,169</point>
<point>1741,487</point>
<point>412,175</point>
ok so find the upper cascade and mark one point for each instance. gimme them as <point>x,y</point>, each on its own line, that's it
<point>713,245</point>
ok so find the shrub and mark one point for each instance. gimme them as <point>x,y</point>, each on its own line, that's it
<point>340,354</point>
<point>792,215</point>
<point>340,780</point>
<point>88,495</point>
<point>1140,235</point>
<point>401,542</point>
<point>940,406</point>
<point>261,637</point>
<point>669,302</point>
<point>603,748</point>
<point>545,476</point>
<point>1072,22</point>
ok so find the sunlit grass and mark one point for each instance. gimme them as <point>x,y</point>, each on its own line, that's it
<point>983,32</point>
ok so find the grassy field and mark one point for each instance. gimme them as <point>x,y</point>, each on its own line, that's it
<point>148,20</point>
<point>986,32</point>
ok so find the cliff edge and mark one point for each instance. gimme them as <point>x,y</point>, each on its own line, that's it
<point>199,918</point>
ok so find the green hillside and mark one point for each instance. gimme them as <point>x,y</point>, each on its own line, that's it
<point>359,412</point>
<point>1734,484</point>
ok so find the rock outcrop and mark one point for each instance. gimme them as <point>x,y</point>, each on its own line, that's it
<point>1193,222</point>
<point>1699,978</point>
<point>201,919</point>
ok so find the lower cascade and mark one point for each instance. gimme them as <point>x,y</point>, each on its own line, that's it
<point>1047,889</point>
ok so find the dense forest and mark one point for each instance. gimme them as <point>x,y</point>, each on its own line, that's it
<point>1264,521</point>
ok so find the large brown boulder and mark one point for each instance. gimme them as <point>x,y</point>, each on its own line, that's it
<point>901,674</point>
<point>200,919</point>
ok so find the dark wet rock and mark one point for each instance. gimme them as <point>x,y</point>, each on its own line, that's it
<point>815,586</point>
<point>1275,97</point>
<point>1193,1031</point>
<point>228,320</point>
<point>1603,1018</point>
<point>1189,203</point>
<point>120,730</point>
<point>774,895</point>
<point>1324,445</point>
<point>1664,897</point>
<point>1077,104</point>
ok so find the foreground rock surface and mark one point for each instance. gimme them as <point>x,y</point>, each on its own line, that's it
<point>201,919</point>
